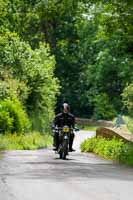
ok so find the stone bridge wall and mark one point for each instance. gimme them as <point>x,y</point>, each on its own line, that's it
<point>90,122</point>
<point>110,133</point>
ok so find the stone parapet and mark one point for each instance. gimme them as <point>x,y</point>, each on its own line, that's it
<point>91,122</point>
<point>113,132</point>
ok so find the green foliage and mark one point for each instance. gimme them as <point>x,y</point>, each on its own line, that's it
<point>28,75</point>
<point>129,122</point>
<point>108,64</point>
<point>93,55</point>
<point>6,122</point>
<point>41,21</point>
<point>30,141</point>
<point>115,149</point>
<point>11,87</point>
<point>12,116</point>
<point>128,98</point>
<point>103,108</point>
<point>92,42</point>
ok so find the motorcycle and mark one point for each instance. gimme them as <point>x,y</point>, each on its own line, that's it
<point>64,137</point>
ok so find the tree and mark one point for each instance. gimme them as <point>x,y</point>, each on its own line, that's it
<point>33,71</point>
<point>92,43</point>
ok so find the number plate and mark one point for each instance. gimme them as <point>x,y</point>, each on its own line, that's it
<point>66,129</point>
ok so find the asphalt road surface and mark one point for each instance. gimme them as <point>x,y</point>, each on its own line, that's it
<point>40,175</point>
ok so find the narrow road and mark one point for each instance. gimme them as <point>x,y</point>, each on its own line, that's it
<point>40,175</point>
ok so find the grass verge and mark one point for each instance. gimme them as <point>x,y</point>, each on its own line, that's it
<point>114,149</point>
<point>88,128</point>
<point>29,141</point>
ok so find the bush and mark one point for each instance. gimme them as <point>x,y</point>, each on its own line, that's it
<point>10,87</point>
<point>12,116</point>
<point>115,149</point>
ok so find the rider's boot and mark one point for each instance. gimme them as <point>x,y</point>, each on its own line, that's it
<point>71,143</point>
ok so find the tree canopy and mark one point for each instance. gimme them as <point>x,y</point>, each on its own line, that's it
<point>86,45</point>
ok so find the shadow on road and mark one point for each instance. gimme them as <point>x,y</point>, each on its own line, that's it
<point>61,171</point>
<point>77,167</point>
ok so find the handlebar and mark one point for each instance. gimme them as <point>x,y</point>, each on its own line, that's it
<point>60,128</point>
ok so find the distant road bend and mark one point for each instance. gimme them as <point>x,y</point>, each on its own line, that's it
<point>40,175</point>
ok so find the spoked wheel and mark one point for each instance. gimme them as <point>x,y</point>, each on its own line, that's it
<point>61,155</point>
<point>65,149</point>
<point>60,151</point>
<point>64,155</point>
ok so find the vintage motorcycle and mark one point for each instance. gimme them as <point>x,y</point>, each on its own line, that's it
<point>64,136</point>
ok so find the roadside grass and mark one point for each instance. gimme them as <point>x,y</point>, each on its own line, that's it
<point>30,141</point>
<point>114,149</point>
<point>88,128</point>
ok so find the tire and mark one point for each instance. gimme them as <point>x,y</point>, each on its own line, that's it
<point>64,149</point>
<point>60,151</point>
<point>61,155</point>
<point>64,156</point>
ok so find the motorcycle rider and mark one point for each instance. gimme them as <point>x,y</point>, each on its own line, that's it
<point>65,118</point>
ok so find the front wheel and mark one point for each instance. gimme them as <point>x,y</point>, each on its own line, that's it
<point>64,156</point>
<point>61,155</point>
<point>65,149</point>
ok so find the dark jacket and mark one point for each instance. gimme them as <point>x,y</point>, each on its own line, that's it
<point>64,119</point>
